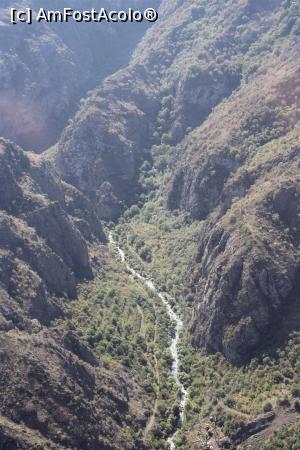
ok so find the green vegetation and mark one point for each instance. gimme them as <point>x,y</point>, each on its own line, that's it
<point>205,52</point>
<point>286,439</point>
<point>232,67</point>
<point>126,324</point>
<point>164,244</point>
<point>170,241</point>
<point>234,396</point>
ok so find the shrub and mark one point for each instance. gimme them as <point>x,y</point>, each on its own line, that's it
<point>296,391</point>
<point>131,212</point>
<point>268,407</point>
<point>278,378</point>
<point>166,138</point>
<point>230,402</point>
<point>145,254</point>
<point>167,100</point>
<point>283,402</point>
<point>297,406</point>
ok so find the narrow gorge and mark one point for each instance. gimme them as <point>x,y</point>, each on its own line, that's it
<point>173,317</point>
<point>150,228</point>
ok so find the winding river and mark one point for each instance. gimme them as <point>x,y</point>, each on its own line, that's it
<point>174,343</point>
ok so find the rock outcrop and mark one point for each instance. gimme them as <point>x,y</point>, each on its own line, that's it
<point>214,85</point>
<point>100,152</point>
<point>46,67</point>
<point>245,185</point>
<point>172,84</point>
<point>55,393</point>
<point>53,398</point>
<point>220,92</point>
<point>41,218</point>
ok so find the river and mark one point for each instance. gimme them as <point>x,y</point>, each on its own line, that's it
<point>175,340</point>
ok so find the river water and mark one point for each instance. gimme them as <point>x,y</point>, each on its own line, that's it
<point>175,340</point>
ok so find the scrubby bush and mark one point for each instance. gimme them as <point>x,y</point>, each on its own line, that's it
<point>145,253</point>
<point>296,391</point>
<point>268,407</point>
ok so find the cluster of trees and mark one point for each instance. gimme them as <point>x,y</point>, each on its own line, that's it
<point>235,395</point>
<point>287,438</point>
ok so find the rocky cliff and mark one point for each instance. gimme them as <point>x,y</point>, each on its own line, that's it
<point>216,90</point>
<point>47,67</point>
<point>54,392</point>
<point>239,171</point>
<point>208,108</point>
<point>100,152</point>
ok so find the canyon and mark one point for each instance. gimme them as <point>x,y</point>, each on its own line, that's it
<point>178,143</point>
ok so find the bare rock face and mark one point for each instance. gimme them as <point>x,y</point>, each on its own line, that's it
<point>55,393</point>
<point>54,398</point>
<point>59,232</point>
<point>42,250</point>
<point>245,184</point>
<point>199,189</point>
<point>46,67</point>
<point>31,271</point>
<point>196,95</point>
<point>231,104</point>
<point>100,151</point>
<point>179,72</point>
<point>249,278</point>
<point>206,159</point>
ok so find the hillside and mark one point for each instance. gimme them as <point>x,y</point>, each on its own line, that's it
<point>55,392</point>
<point>233,97</point>
<point>245,182</point>
<point>204,123</point>
<point>189,157</point>
<point>47,68</point>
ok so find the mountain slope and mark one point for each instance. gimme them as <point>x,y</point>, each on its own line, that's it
<point>55,393</point>
<point>47,67</point>
<point>203,54</point>
<point>197,143</point>
<point>241,171</point>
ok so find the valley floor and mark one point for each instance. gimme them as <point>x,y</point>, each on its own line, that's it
<point>241,407</point>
